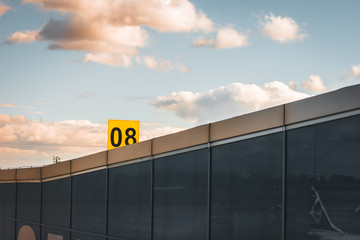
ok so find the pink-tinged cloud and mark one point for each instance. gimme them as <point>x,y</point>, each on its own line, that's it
<point>27,142</point>
<point>314,84</point>
<point>24,37</point>
<point>225,38</point>
<point>226,101</point>
<point>3,9</point>
<point>158,64</point>
<point>112,31</point>
<point>7,105</point>
<point>282,29</point>
<point>163,15</point>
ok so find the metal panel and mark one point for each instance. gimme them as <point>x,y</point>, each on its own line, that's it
<point>88,162</point>
<point>56,202</point>
<point>248,123</point>
<point>28,201</point>
<point>134,151</point>
<point>54,170</point>
<point>7,175</point>
<point>28,174</point>
<point>7,199</point>
<point>338,101</point>
<point>184,139</point>
<point>89,202</point>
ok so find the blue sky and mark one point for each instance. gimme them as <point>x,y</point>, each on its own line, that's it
<point>67,68</point>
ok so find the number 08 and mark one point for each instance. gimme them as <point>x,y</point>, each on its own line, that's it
<point>130,133</point>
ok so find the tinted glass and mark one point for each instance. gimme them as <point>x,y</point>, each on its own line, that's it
<point>7,229</point>
<point>129,201</point>
<point>246,189</point>
<point>180,196</point>
<point>7,199</point>
<point>54,234</point>
<point>323,189</point>
<point>25,231</point>
<point>81,236</point>
<point>28,201</point>
<point>56,202</point>
<point>89,202</point>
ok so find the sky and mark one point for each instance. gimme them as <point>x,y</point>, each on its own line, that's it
<point>66,67</point>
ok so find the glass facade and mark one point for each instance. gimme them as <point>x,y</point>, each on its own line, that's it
<point>323,181</point>
<point>298,184</point>
<point>181,196</point>
<point>246,193</point>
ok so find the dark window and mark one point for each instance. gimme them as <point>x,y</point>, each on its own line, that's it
<point>7,199</point>
<point>89,202</point>
<point>27,231</point>
<point>323,189</point>
<point>180,196</point>
<point>81,236</point>
<point>246,189</point>
<point>28,201</point>
<point>56,202</point>
<point>54,234</point>
<point>129,201</point>
<point>7,229</point>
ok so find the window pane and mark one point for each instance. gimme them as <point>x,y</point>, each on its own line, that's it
<point>129,201</point>
<point>89,202</point>
<point>180,196</point>
<point>28,201</point>
<point>324,181</point>
<point>7,199</point>
<point>246,189</point>
<point>56,202</point>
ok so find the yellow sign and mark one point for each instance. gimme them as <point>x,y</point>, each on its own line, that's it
<point>122,133</point>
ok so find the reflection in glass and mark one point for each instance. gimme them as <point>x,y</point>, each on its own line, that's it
<point>246,189</point>
<point>323,187</point>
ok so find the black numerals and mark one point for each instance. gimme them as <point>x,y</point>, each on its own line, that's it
<point>130,135</point>
<point>112,137</point>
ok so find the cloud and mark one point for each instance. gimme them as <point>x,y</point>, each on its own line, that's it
<point>151,130</point>
<point>352,73</point>
<point>112,31</point>
<point>230,38</point>
<point>226,101</point>
<point>7,105</point>
<point>282,29</point>
<point>29,142</point>
<point>3,9</point>
<point>163,15</point>
<point>86,95</point>
<point>68,139</point>
<point>157,63</point>
<point>314,84</point>
<point>23,37</point>
<point>225,38</point>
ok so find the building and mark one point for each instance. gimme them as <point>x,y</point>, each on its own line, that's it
<point>285,173</point>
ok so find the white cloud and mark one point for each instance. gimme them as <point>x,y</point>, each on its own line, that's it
<point>203,42</point>
<point>352,73</point>
<point>27,142</point>
<point>226,101</point>
<point>27,36</point>
<point>314,84</point>
<point>355,70</point>
<point>21,138</point>
<point>282,29</point>
<point>157,63</point>
<point>293,85</point>
<point>151,130</point>
<point>112,31</point>
<point>225,38</point>
<point>3,9</point>
<point>230,38</point>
